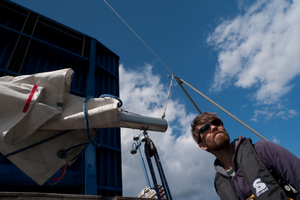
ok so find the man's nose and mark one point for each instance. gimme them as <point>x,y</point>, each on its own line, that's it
<point>213,128</point>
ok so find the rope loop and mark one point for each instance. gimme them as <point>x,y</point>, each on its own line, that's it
<point>64,153</point>
<point>112,96</point>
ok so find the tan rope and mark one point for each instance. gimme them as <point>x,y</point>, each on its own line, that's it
<point>225,111</point>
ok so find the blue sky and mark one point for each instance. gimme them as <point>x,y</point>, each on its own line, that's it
<point>242,54</point>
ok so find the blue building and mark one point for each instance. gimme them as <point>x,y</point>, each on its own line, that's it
<point>31,43</point>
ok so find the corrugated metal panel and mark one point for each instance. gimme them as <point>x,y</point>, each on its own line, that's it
<point>12,16</point>
<point>6,48</point>
<point>31,43</point>
<point>59,36</point>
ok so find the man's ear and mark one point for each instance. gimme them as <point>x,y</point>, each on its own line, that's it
<point>202,146</point>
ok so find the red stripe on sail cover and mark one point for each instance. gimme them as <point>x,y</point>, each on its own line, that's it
<point>29,98</point>
<point>63,172</point>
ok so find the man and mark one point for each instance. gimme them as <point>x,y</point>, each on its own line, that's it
<point>263,170</point>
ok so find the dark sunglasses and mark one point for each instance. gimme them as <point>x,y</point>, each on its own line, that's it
<point>206,127</point>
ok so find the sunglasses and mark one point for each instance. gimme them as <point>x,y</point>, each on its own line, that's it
<point>206,127</point>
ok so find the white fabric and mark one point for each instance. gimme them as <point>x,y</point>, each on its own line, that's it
<point>100,112</point>
<point>51,110</point>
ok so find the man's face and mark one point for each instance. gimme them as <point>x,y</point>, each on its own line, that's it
<point>215,139</point>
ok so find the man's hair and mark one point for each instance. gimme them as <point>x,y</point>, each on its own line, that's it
<point>199,121</point>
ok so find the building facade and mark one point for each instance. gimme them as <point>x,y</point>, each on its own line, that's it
<point>31,43</point>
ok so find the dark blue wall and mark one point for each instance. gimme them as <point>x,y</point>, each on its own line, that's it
<point>31,43</point>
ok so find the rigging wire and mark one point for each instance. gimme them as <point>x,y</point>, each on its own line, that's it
<point>164,114</point>
<point>138,37</point>
<point>180,81</point>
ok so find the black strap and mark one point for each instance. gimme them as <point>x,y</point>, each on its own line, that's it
<point>262,183</point>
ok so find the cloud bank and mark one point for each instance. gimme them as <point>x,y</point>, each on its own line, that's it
<point>188,169</point>
<point>259,49</point>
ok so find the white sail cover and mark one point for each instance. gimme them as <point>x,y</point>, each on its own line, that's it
<point>39,106</point>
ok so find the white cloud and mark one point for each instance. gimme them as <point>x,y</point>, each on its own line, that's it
<point>275,140</point>
<point>269,112</point>
<point>259,49</point>
<point>188,169</point>
<point>287,114</point>
<point>266,112</point>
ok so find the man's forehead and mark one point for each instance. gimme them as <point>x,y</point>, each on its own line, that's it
<point>207,121</point>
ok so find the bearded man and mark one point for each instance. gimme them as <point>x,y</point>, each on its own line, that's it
<point>263,170</point>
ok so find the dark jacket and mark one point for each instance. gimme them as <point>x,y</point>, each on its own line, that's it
<point>282,164</point>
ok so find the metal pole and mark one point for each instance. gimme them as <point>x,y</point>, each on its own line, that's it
<point>163,177</point>
<point>135,121</point>
<point>144,169</point>
<point>152,172</point>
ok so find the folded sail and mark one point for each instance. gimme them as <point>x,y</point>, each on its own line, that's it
<point>37,107</point>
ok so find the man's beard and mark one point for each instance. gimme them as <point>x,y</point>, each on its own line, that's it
<point>219,143</point>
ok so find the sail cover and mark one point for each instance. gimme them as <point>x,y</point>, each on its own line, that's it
<point>37,107</point>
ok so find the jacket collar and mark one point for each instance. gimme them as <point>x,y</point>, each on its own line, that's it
<point>235,145</point>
